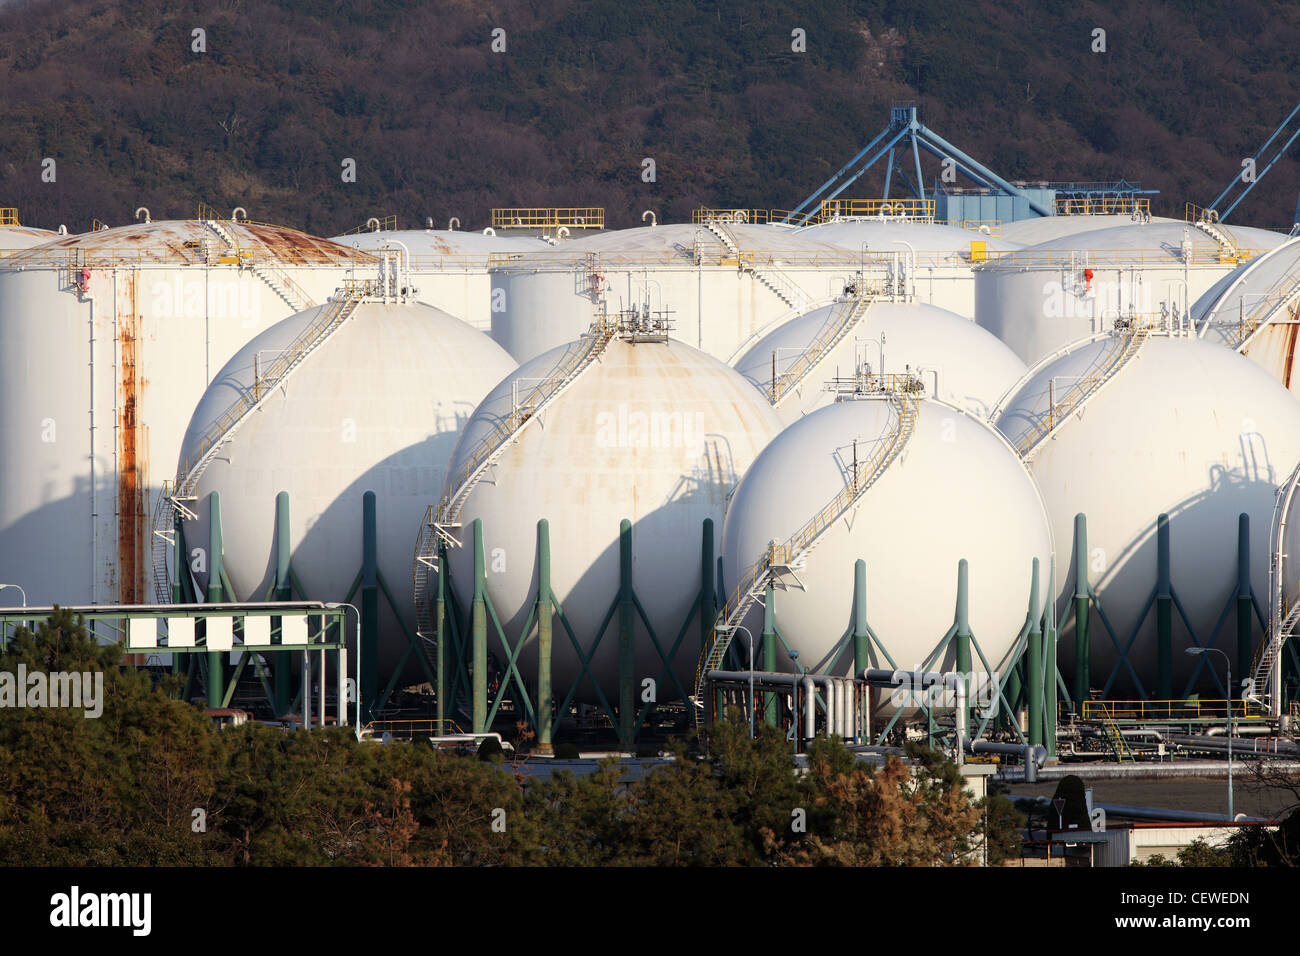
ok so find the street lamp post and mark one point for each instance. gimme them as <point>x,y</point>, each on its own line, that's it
<point>1195,651</point>
<point>21,592</point>
<point>741,627</point>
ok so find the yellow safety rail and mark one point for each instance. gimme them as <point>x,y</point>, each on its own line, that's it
<point>831,334</point>
<point>755,216</point>
<point>783,555</point>
<point>574,217</point>
<point>432,727</point>
<point>1103,206</point>
<point>1191,709</point>
<point>586,351</point>
<point>387,224</point>
<point>1124,346</point>
<point>1195,213</point>
<point>1201,253</point>
<point>871,208</point>
<point>206,213</point>
<point>1283,289</point>
<point>107,258</point>
<point>9,216</point>
<point>990,227</point>
<point>1294,711</point>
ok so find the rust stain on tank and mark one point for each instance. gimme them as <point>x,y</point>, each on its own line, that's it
<point>130,464</point>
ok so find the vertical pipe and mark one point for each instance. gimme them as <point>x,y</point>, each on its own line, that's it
<point>320,700</point>
<point>1245,648</point>
<point>963,636</point>
<point>769,654</point>
<point>626,658</point>
<point>479,633</point>
<point>178,589</point>
<point>306,689</point>
<point>369,670</point>
<point>283,592</point>
<point>1082,609</point>
<point>1164,614</point>
<point>216,659</point>
<point>1034,664</point>
<point>341,665</point>
<point>442,635</point>
<point>545,612</point>
<point>809,712</point>
<point>832,709</point>
<point>861,641</point>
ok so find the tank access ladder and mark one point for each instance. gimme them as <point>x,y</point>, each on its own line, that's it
<point>776,281</point>
<point>1279,295</point>
<point>781,558</point>
<point>1127,342</point>
<point>439,520</point>
<point>844,320</point>
<point>176,496</point>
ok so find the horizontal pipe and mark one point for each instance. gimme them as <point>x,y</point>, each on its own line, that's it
<point>1151,813</point>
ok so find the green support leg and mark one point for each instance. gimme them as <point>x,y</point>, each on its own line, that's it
<point>1164,614</point>
<point>1034,664</point>
<point>283,592</point>
<point>479,618</point>
<point>626,657</point>
<point>1245,646</point>
<point>216,666</point>
<point>368,679</point>
<point>545,701</point>
<point>708,605</point>
<point>861,640</point>
<point>1050,689</point>
<point>1082,610</point>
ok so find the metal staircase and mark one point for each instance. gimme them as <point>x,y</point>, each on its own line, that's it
<point>439,520</point>
<point>176,496</point>
<point>771,277</point>
<point>1229,253</point>
<point>791,555</point>
<point>283,285</point>
<point>1280,294</point>
<point>841,323</point>
<point>1268,653</point>
<point>1126,343</point>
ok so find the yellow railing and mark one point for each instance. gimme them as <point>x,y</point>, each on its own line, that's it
<point>1272,300</point>
<point>206,212</point>
<point>990,227</point>
<point>387,224</point>
<point>870,208</point>
<point>1294,711</point>
<point>755,216</point>
<point>573,217</point>
<point>1195,213</point>
<point>1103,206</point>
<point>106,258</point>
<point>1191,709</point>
<point>423,727</point>
<point>9,216</point>
<point>1202,253</point>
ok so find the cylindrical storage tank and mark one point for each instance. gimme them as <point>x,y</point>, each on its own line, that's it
<point>448,268</point>
<point>718,295</point>
<point>108,341</point>
<point>378,406</point>
<point>973,368</point>
<point>1045,297</point>
<point>940,258</point>
<point>655,433</point>
<point>1183,428</point>
<point>1256,310</point>
<point>957,490</point>
<point>1044,229</point>
<point>14,238</point>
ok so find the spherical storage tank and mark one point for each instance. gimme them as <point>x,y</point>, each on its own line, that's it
<point>1185,428</point>
<point>1255,309</point>
<point>108,340</point>
<point>957,490</point>
<point>1045,297</point>
<point>974,369</point>
<point>657,433</point>
<point>377,406</point>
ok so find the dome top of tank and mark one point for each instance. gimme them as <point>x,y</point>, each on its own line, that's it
<point>1158,243</point>
<point>442,242</point>
<point>194,242</point>
<point>679,238</point>
<point>1043,229</point>
<point>880,234</point>
<point>1241,292</point>
<point>24,237</point>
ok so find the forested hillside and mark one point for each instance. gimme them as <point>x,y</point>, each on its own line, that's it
<point>440,125</point>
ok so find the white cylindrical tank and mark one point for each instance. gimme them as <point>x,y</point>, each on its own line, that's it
<point>449,268</point>
<point>1044,297</point>
<point>718,297</point>
<point>1255,309</point>
<point>108,341</point>
<point>1185,428</point>
<point>940,258</point>
<point>657,433</point>
<point>377,407</point>
<point>973,367</point>
<point>957,491</point>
